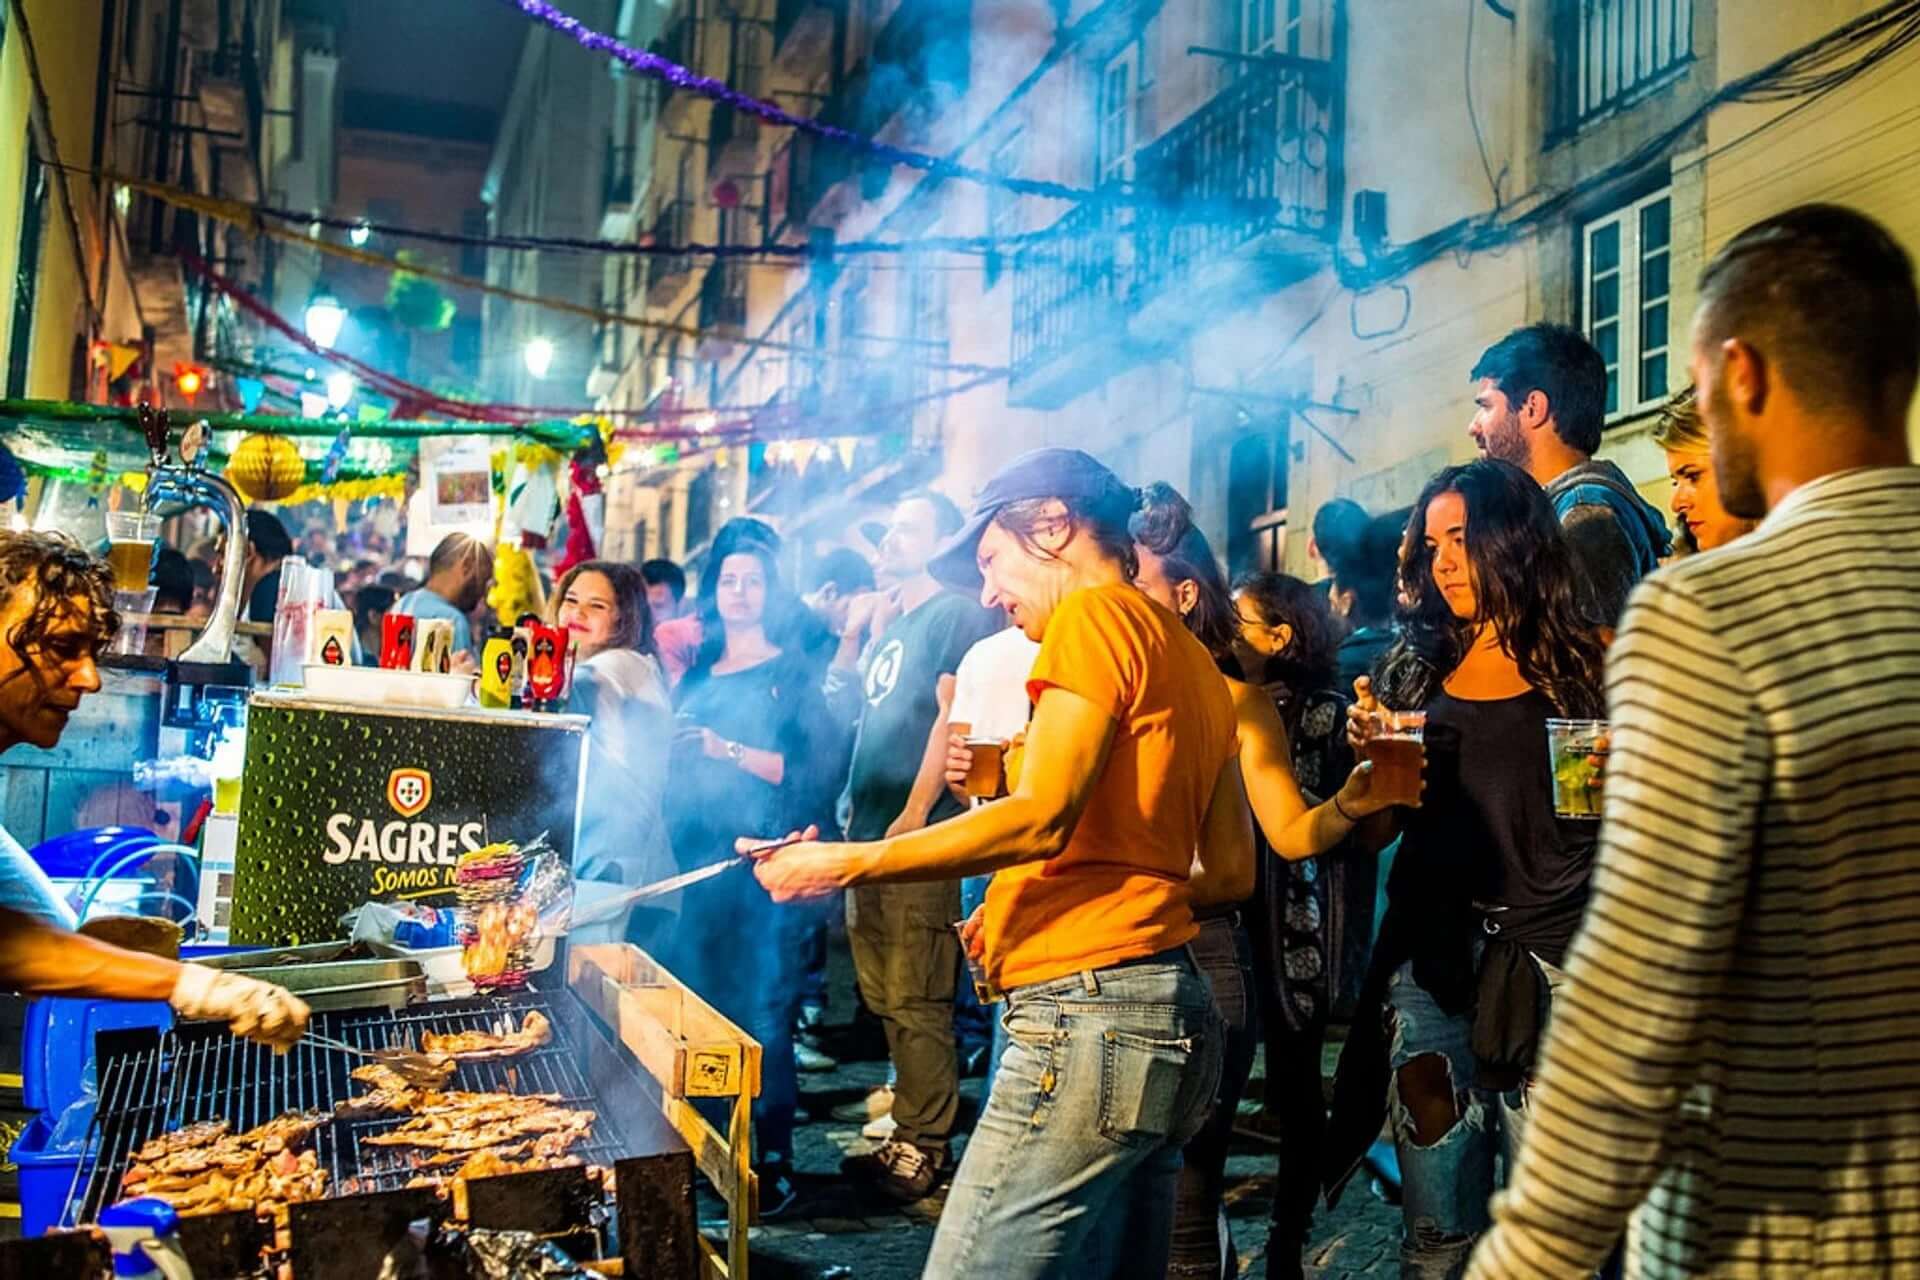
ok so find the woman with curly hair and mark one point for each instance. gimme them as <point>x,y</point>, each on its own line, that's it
<point>1489,884</point>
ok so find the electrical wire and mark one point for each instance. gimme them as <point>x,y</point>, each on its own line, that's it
<point>1473,114</point>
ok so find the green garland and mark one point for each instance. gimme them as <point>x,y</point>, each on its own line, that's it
<point>558,434</point>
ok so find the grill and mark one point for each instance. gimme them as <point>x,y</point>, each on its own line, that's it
<point>629,1042</point>
<point>199,1072</point>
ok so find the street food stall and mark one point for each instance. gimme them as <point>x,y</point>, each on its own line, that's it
<point>473,1095</point>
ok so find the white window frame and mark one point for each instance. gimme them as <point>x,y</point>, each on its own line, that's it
<point>1116,108</point>
<point>1631,352</point>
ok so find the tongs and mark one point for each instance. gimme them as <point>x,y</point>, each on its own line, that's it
<point>414,1068</point>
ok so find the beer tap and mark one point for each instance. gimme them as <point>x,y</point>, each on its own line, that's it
<point>191,485</point>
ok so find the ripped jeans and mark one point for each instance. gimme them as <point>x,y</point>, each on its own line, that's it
<point>1446,1185</point>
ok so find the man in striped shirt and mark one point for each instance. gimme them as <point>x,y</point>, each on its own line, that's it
<point>1736,1051</point>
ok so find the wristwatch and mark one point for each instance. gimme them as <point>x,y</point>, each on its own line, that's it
<point>736,752</point>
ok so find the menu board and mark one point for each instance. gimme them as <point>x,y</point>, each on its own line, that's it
<point>343,804</point>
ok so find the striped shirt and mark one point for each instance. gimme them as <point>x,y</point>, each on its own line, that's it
<point>1735,1058</point>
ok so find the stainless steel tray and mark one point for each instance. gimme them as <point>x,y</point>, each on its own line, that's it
<point>381,983</point>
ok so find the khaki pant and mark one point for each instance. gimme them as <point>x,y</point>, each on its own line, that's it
<point>907,958</point>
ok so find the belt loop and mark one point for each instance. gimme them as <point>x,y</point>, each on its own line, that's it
<point>1089,983</point>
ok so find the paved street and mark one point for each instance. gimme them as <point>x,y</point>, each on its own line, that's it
<point>839,1231</point>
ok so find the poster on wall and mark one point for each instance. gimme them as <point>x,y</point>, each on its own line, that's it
<point>345,804</point>
<point>455,493</point>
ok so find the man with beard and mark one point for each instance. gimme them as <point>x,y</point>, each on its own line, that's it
<point>905,954</point>
<point>458,575</point>
<point>1540,403</point>
<point>1738,1036</point>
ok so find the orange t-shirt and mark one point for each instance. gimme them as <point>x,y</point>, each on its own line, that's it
<point>1119,890</point>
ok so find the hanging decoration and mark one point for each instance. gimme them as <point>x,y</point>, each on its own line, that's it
<point>336,455</point>
<point>13,480</point>
<point>266,468</point>
<point>586,507</point>
<point>516,587</point>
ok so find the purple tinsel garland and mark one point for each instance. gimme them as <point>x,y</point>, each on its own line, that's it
<point>681,78</point>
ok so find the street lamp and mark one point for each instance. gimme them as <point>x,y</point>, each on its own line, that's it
<point>359,235</point>
<point>339,389</point>
<point>539,356</point>
<point>324,317</point>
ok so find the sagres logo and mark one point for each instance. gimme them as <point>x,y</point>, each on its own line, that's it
<point>409,791</point>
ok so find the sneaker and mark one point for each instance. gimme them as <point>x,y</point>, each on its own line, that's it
<point>777,1191</point>
<point>880,1129</point>
<point>808,1058</point>
<point>877,1103</point>
<point>900,1169</point>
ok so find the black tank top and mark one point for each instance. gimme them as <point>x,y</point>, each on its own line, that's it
<point>1485,845</point>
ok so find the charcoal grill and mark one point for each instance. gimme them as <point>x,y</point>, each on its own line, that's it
<point>628,1042</point>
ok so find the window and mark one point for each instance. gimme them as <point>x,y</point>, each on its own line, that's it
<point>1608,51</point>
<point>1628,287</point>
<point>1257,500</point>
<point>1119,92</point>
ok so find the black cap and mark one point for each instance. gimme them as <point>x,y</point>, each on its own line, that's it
<point>1042,473</point>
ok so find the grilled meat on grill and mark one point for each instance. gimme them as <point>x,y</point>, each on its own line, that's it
<point>205,1169</point>
<point>473,1046</point>
<point>472,1131</point>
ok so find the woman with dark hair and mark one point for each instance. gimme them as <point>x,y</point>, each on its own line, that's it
<point>1126,771</point>
<point>618,683</point>
<point>1177,570</point>
<point>744,757</point>
<point>1316,917</point>
<point>1489,884</point>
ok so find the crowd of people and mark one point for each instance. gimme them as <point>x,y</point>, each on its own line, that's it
<point>1702,1006</point>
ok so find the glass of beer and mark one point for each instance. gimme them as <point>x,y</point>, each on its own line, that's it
<point>1577,757</point>
<point>987,775</point>
<point>1396,746</point>
<point>131,537</point>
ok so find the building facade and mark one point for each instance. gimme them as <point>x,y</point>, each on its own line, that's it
<point>1304,221</point>
<point>189,94</point>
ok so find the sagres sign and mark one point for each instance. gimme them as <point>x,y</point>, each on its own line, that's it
<point>345,806</point>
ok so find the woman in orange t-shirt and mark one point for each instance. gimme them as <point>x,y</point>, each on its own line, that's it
<point>1129,768</point>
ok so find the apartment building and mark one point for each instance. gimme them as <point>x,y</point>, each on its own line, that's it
<point>190,94</point>
<point>1306,219</point>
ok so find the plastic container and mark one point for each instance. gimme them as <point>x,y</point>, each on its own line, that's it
<point>391,688</point>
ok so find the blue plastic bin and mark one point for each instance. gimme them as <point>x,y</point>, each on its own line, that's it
<point>57,1075</point>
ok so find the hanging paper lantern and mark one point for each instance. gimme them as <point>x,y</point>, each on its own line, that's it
<point>266,468</point>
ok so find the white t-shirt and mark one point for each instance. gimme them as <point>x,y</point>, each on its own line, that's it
<point>990,685</point>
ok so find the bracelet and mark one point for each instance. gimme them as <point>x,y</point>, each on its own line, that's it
<point>1351,820</point>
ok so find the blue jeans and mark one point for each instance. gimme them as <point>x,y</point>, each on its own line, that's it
<point>1071,1171</point>
<point>1446,1185</point>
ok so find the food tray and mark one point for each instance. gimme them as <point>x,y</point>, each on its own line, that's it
<point>393,688</point>
<point>383,983</point>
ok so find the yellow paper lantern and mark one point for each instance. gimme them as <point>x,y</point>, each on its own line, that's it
<point>266,468</point>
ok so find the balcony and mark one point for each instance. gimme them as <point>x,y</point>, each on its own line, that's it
<point>732,138</point>
<point>803,31</point>
<point>666,273</point>
<point>1240,204</point>
<point>680,43</point>
<point>1244,186</point>
<point>723,306</point>
<point>618,197</point>
<point>1068,290</point>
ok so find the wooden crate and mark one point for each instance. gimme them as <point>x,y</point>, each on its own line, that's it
<point>691,1052</point>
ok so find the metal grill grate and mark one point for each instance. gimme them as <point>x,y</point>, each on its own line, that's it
<point>199,1072</point>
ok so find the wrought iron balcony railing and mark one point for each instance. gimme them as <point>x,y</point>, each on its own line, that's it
<point>1071,282</point>
<point>664,270</point>
<point>1255,161</point>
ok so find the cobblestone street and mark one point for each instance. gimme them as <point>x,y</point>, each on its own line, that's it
<point>841,1230</point>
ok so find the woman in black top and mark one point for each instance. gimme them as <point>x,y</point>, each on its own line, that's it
<point>1489,885</point>
<point>750,728</point>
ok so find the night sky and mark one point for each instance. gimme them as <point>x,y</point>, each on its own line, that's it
<point>456,52</point>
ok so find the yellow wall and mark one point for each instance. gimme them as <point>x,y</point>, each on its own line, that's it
<point>66,37</point>
<point>1856,146</point>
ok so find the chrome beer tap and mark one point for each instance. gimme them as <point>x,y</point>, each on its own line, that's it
<point>190,485</point>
